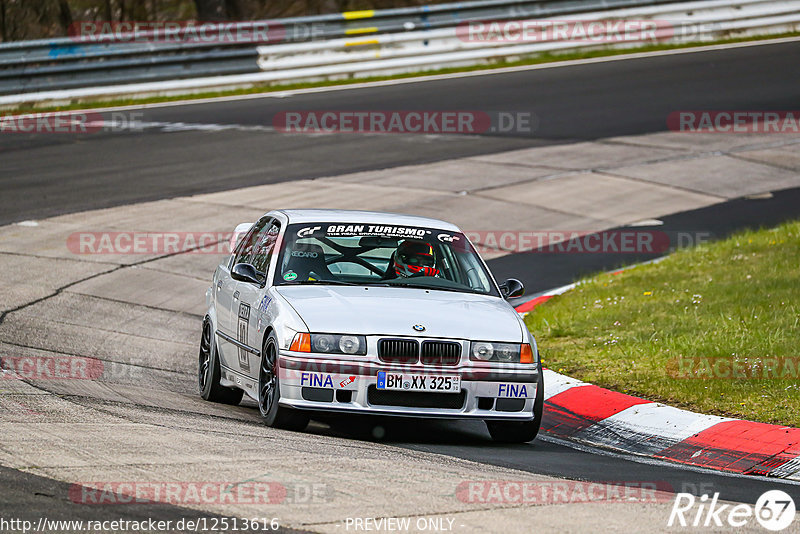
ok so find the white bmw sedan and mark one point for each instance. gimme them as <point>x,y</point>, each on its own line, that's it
<point>363,312</point>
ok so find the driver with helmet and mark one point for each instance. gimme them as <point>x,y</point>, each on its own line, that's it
<point>415,258</point>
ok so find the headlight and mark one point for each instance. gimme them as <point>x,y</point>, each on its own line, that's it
<point>481,351</point>
<point>486,351</point>
<point>338,344</point>
<point>323,343</point>
<point>351,344</point>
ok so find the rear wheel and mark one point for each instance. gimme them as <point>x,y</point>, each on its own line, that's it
<point>521,431</point>
<point>208,371</point>
<point>269,392</point>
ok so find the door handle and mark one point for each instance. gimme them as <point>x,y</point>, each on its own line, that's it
<point>236,296</point>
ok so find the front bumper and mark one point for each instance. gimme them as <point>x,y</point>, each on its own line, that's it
<point>349,385</point>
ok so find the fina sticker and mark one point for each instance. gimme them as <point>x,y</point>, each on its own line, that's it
<point>290,276</point>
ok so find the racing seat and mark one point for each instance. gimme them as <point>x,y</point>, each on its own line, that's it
<point>305,258</point>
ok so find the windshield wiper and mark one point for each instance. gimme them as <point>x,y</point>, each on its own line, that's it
<point>438,288</point>
<point>335,283</point>
<point>322,282</point>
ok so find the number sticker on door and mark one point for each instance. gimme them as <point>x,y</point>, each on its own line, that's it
<point>244,323</point>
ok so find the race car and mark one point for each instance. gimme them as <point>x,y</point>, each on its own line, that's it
<point>367,313</point>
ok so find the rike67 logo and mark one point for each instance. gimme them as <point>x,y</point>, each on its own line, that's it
<point>774,510</point>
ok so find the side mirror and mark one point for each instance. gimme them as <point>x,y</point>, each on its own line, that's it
<point>512,288</point>
<point>244,272</point>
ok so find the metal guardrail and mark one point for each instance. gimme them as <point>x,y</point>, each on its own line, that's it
<point>66,63</point>
<point>395,53</point>
<point>351,44</point>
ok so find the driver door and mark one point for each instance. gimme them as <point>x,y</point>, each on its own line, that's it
<point>227,298</point>
<point>250,304</point>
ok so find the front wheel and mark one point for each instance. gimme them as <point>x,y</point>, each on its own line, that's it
<point>521,431</point>
<point>208,371</point>
<point>269,392</point>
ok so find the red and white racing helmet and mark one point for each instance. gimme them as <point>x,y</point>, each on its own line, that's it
<point>415,258</point>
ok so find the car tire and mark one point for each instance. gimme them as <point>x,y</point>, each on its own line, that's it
<point>269,391</point>
<point>521,431</point>
<point>208,373</point>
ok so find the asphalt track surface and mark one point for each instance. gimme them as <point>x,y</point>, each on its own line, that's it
<point>46,175</point>
<point>49,175</point>
<point>32,497</point>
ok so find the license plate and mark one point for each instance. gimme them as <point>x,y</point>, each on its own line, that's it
<point>417,382</point>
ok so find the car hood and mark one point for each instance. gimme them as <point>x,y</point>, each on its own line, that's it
<point>393,311</point>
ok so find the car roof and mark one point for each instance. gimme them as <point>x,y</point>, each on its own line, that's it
<point>364,217</point>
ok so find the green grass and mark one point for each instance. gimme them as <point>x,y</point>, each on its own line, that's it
<point>675,331</point>
<point>274,87</point>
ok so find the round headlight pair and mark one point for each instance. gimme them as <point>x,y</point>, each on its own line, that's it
<point>330,343</point>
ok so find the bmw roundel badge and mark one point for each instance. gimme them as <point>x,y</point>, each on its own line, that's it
<point>419,328</point>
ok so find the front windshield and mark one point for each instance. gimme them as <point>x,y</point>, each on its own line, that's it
<point>370,254</point>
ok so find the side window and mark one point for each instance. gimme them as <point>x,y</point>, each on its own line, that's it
<point>265,246</point>
<point>244,251</point>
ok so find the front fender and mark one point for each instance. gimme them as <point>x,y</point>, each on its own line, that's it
<point>283,320</point>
